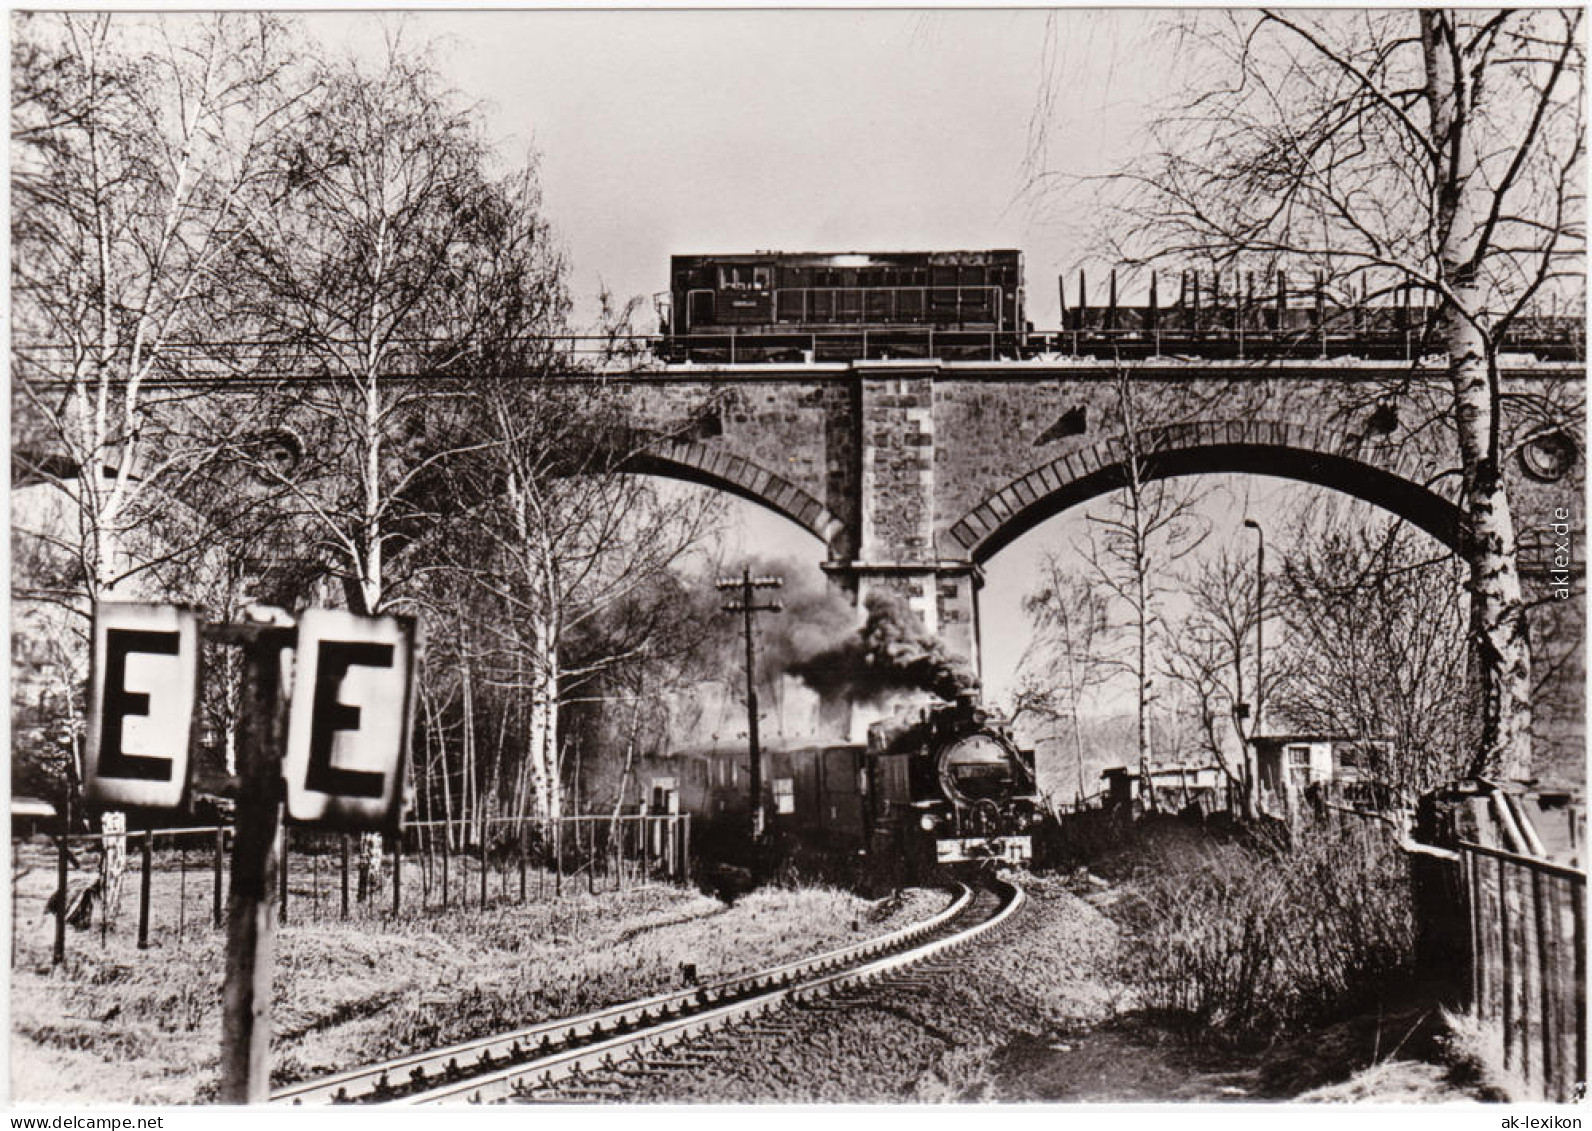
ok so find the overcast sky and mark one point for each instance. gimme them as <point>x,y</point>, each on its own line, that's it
<point>663,132</point>
<point>667,133</point>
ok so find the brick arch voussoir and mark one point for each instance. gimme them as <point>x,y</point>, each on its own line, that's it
<point>987,523</point>
<point>711,466</point>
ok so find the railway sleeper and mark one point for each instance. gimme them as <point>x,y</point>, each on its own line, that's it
<point>593,1092</point>
<point>671,1062</point>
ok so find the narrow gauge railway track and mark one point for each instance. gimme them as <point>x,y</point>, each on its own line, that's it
<point>509,1064</point>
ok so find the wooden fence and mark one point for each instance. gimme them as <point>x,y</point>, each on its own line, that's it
<point>1528,943</point>
<point>1516,925</point>
<point>176,878</point>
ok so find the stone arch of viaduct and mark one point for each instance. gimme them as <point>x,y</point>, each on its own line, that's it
<point>913,475</point>
<point>1396,478</point>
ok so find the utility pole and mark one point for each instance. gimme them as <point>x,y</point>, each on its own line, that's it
<point>748,609</point>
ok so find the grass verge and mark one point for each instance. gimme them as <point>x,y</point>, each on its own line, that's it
<point>115,1024</point>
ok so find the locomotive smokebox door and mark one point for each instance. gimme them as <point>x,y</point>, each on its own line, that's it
<point>978,768</point>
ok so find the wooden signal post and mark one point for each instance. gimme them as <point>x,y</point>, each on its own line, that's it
<point>256,857</point>
<point>748,608</point>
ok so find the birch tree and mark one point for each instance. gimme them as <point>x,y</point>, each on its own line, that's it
<point>395,270</point>
<point>1067,658</point>
<point>1438,150</point>
<point>1212,654</point>
<point>564,550</point>
<point>1146,528</point>
<point>141,148</point>
<point>393,274</point>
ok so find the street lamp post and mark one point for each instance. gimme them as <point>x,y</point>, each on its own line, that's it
<point>1260,652</point>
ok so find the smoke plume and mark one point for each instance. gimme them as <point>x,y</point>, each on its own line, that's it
<point>813,617</point>
<point>890,653</point>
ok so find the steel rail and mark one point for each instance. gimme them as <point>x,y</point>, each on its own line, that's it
<point>390,1079</point>
<point>545,1072</point>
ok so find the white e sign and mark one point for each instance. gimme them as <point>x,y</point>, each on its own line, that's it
<point>348,728</point>
<point>141,704</point>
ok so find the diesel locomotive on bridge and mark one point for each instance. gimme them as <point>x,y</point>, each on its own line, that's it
<point>825,306</point>
<point>945,787</point>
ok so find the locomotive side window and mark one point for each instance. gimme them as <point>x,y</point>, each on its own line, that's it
<point>743,277</point>
<point>784,795</point>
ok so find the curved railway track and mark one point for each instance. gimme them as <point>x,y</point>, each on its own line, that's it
<point>539,1056</point>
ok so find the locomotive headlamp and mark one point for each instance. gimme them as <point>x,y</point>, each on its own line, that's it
<point>928,822</point>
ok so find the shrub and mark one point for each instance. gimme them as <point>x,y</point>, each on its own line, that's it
<point>1255,940</point>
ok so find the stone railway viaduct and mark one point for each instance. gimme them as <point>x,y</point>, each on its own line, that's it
<point>913,474</point>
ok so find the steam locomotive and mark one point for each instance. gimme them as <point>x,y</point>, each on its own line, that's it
<point>947,788</point>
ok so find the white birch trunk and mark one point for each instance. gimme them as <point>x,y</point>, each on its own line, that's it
<point>1497,612</point>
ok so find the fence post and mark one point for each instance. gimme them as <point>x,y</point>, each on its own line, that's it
<point>1508,965</point>
<point>397,873</point>
<point>558,857</point>
<point>447,851</point>
<point>1544,974</point>
<point>13,956</point>
<point>1578,911</point>
<point>58,953</point>
<point>520,828</point>
<point>281,876</point>
<point>182,887</point>
<point>482,830</point>
<point>1478,952</point>
<point>344,841</point>
<point>215,901</point>
<point>148,869</point>
<point>685,847</point>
